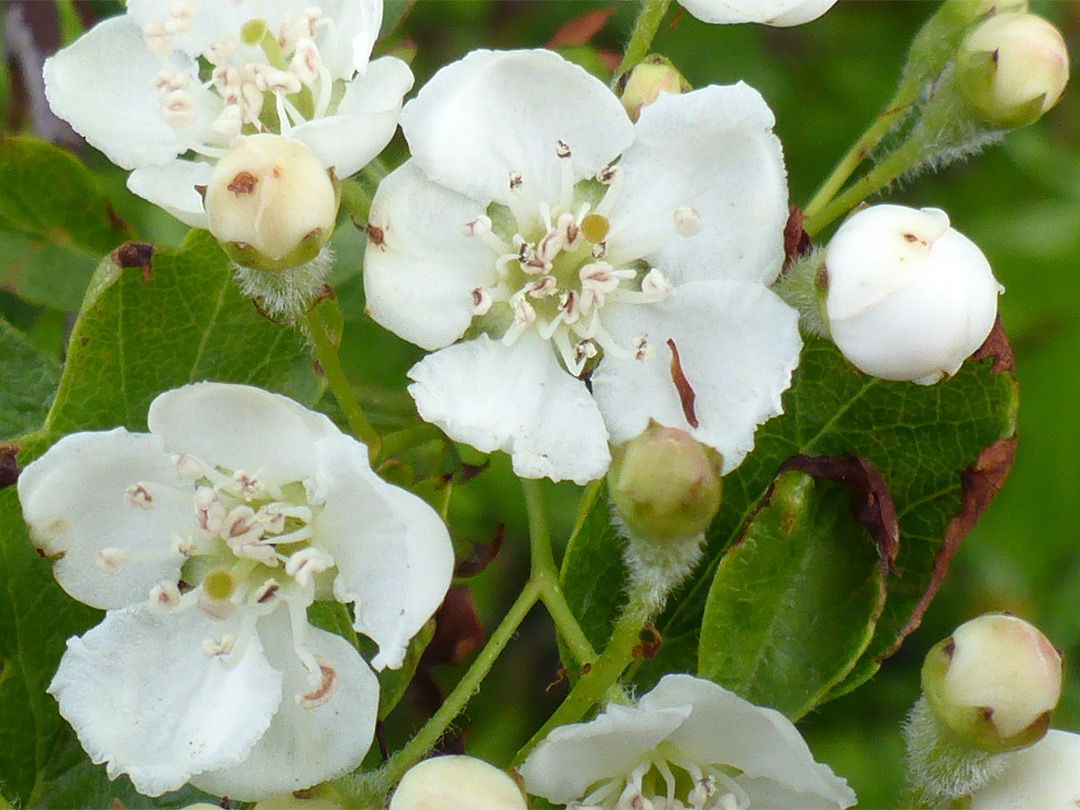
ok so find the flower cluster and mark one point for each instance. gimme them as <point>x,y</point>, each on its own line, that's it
<point>207,540</point>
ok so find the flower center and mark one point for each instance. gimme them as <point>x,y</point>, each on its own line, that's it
<point>667,780</point>
<point>252,552</point>
<point>257,81</point>
<point>553,274</point>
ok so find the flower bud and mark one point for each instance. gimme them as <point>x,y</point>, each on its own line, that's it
<point>994,683</point>
<point>456,783</point>
<point>1011,69</point>
<point>907,297</point>
<point>641,85</point>
<point>1045,775</point>
<point>271,203</point>
<point>664,484</point>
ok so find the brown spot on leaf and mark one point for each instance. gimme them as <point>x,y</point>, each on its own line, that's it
<point>871,504</point>
<point>682,385</point>
<point>136,255</point>
<point>458,631</point>
<point>580,30</point>
<point>796,240</point>
<point>9,470</point>
<point>243,183</point>
<point>481,555</point>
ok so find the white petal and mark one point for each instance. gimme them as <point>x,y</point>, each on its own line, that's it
<point>356,25</point>
<point>214,21</point>
<point>712,150</point>
<point>393,552</point>
<point>240,427</point>
<point>100,84</point>
<point>493,113</point>
<point>418,283</point>
<point>724,729</point>
<point>172,187</point>
<point>1045,775</point>
<point>738,345</point>
<point>75,501</point>
<point>518,400</point>
<point>571,758</point>
<point>304,746</point>
<point>142,697</point>
<point>364,122</point>
<point>781,13</point>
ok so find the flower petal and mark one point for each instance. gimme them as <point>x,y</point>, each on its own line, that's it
<point>240,427</point>
<point>418,281</point>
<point>100,84</point>
<point>364,122</point>
<point>517,399</point>
<point>1044,775</point>
<point>143,698</point>
<point>724,729</point>
<point>304,746</point>
<point>713,151</point>
<point>781,13</point>
<point>393,552</point>
<point>737,344</point>
<point>493,113</point>
<point>172,187</point>
<point>212,21</point>
<point>356,24</point>
<point>574,757</point>
<point>75,501</point>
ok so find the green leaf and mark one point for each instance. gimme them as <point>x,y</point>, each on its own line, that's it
<point>29,383</point>
<point>55,222</point>
<point>942,451</point>
<point>794,602</point>
<point>41,762</point>
<point>153,321</point>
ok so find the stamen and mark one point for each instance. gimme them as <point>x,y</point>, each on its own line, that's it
<point>669,779</point>
<point>164,597</point>
<point>306,563</point>
<point>306,61</point>
<point>178,108</point>
<point>247,486</point>
<point>298,619</point>
<point>239,527</point>
<point>515,182</point>
<point>326,86</point>
<point>481,301</point>
<point>612,177</point>
<point>655,285</point>
<point>209,509</point>
<point>546,330</point>
<point>110,559</point>
<point>137,497</point>
<point>229,123</point>
<point>574,364</point>
<point>157,39</point>
<point>543,288</point>
<point>167,80</point>
<point>562,151</point>
<point>298,536</point>
<point>643,350</point>
<point>687,221</point>
<point>211,647</point>
<point>276,81</point>
<point>266,592</point>
<point>187,467</point>
<point>218,52</point>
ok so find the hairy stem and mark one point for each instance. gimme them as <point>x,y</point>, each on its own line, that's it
<point>645,28</point>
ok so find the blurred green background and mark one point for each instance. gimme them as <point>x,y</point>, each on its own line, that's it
<point>825,81</point>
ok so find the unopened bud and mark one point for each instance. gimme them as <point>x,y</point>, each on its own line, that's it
<point>456,783</point>
<point>1045,775</point>
<point>907,297</point>
<point>1012,68</point>
<point>994,683</point>
<point>664,484</point>
<point>271,203</point>
<point>641,85</point>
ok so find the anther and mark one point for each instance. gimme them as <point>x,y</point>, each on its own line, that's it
<point>687,221</point>
<point>266,592</point>
<point>178,108</point>
<point>608,175</point>
<point>477,227</point>
<point>110,559</point>
<point>218,52</point>
<point>543,288</point>
<point>515,182</point>
<point>212,647</point>
<point>562,149</point>
<point>187,467</point>
<point>481,301</point>
<point>157,39</point>
<point>138,497</point>
<point>209,509</point>
<point>164,596</point>
<point>180,17</point>
<point>643,350</point>
<point>306,563</point>
<point>655,285</point>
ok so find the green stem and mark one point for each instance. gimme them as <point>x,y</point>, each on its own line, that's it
<point>602,677</point>
<point>380,782</point>
<point>859,152</point>
<point>327,355</point>
<point>546,576</point>
<point>870,183</point>
<point>394,444</point>
<point>645,28</point>
<point>71,27</point>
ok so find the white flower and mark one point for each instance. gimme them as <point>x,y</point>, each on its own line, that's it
<point>1046,775</point>
<point>456,783</point>
<point>686,744</point>
<point>909,298</point>
<point>780,13</point>
<point>206,540</point>
<point>177,76</point>
<point>602,295</point>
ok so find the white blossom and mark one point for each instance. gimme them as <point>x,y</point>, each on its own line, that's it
<point>686,744</point>
<point>206,540</point>
<point>596,295</point>
<point>780,13</point>
<point>166,88</point>
<point>1045,775</point>
<point>456,783</point>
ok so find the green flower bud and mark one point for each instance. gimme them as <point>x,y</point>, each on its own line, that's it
<point>641,85</point>
<point>994,683</point>
<point>271,203</point>
<point>1011,69</point>
<point>456,783</point>
<point>665,485</point>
